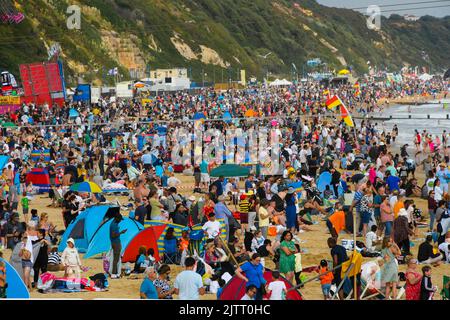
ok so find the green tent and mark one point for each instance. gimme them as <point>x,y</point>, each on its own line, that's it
<point>230,170</point>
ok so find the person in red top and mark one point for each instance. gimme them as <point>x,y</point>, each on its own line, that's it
<point>413,281</point>
<point>325,279</point>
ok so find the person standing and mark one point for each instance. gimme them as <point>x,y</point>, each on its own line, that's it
<point>254,275</point>
<point>264,216</point>
<point>114,235</point>
<point>188,283</point>
<point>222,212</point>
<point>413,281</point>
<point>389,273</point>
<point>148,289</point>
<point>339,256</point>
<point>71,260</point>
<point>41,262</point>
<point>287,255</point>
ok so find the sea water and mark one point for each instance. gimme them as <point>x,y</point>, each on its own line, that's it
<point>437,123</point>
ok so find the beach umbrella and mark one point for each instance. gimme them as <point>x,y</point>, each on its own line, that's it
<point>9,125</point>
<point>86,186</point>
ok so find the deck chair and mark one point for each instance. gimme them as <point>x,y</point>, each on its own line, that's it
<point>371,282</point>
<point>445,292</point>
<point>171,252</point>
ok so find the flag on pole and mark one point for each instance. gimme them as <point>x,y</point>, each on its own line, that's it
<point>345,115</point>
<point>333,102</point>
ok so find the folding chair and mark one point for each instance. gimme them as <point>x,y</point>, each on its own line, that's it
<point>171,252</point>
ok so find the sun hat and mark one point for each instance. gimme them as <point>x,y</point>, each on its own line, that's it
<point>192,198</point>
<point>71,240</point>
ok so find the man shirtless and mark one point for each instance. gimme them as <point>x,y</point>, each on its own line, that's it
<point>140,191</point>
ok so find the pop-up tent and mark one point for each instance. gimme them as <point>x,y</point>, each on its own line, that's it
<point>325,180</point>
<point>101,242</point>
<point>3,161</point>
<point>16,287</point>
<point>178,229</point>
<point>230,170</point>
<point>147,238</point>
<point>235,288</point>
<point>83,228</point>
<point>40,179</point>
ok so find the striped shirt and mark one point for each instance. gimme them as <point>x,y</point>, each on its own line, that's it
<point>54,258</point>
<point>244,206</point>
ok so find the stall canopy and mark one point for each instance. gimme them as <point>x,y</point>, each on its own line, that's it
<point>230,170</point>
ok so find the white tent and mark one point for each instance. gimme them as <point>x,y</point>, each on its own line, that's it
<point>425,77</point>
<point>279,82</point>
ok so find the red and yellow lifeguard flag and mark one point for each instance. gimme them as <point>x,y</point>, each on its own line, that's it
<point>345,115</point>
<point>333,102</point>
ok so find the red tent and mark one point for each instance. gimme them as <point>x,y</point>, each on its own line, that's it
<point>235,288</point>
<point>148,238</point>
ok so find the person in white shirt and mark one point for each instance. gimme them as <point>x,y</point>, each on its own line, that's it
<point>212,227</point>
<point>444,247</point>
<point>277,288</point>
<point>438,192</point>
<point>372,239</point>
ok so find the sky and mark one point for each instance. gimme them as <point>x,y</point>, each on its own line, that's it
<point>399,8</point>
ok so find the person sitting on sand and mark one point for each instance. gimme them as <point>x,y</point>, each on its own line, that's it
<point>426,254</point>
<point>54,260</point>
<point>148,289</point>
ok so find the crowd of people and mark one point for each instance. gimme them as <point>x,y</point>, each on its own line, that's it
<point>129,144</point>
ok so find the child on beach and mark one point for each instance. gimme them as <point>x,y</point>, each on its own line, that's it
<point>427,289</point>
<point>325,279</point>
<point>277,288</point>
<point>25,205</point>
<point>34,216</point>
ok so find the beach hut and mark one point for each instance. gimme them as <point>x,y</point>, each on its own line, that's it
<point>235,288</point>
<point>83,228</point>
<point>230,170</point>
<point>148,238</point>
<point>16,287</point>
<point>40,179</point>
<point>101,242</point>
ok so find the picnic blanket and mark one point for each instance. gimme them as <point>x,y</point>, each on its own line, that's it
<point>49,282</point>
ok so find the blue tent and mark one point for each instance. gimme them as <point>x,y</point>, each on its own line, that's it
<point>325,180</point>
<point>83,228</point>
<point>73,113</point>
<point>16,287</point>
<point>101,242</point>
<point>3,161</point>
<point>227,117</point>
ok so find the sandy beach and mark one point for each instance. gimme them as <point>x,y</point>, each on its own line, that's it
<point>127,288</point>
